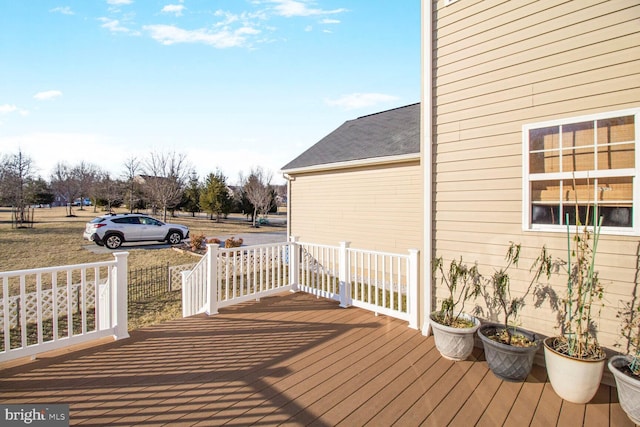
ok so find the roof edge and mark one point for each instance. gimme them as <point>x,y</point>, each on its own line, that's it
<point>376,161</point>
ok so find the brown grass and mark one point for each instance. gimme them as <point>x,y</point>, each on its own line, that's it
<point>56,239</point>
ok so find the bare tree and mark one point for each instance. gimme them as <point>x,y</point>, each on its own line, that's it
<point>86,175</point>
<point>167,174</point>
<point>109,190</point>
<point>257,188</point>
<point>65,185</point>
<point>132,167</point>
<point>15,173</point>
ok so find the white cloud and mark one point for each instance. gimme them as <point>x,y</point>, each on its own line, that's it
<point>113,25</point>
<point>7,108</point>
<point>49,148</point>
<point>329,21</point>
<point>360,100</point>
<point>173,8</point>
<point>119,2</point>
<point>65,10</point>
<point>47,95</point>
<point>225,38</point>
<point>290,8</point>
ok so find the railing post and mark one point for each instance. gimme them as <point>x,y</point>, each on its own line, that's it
<point>412,288</point>
<point>120,329</point>
<point>294,263</point>
<point>343,276</point>
<point>212,279</point>
<point>186,295</point>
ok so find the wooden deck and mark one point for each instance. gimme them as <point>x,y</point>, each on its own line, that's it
<point>291,359</point>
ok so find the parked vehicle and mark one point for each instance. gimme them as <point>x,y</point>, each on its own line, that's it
<point>84,202</point>
<point>112,230</point>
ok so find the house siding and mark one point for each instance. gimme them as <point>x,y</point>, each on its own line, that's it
<point>372,207</point>
<point>497,66</point>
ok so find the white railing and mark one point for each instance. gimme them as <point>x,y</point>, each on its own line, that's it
<point>49,308</point>
<point>239,274</point>
<point>319,270</point>
<point>384,283</point>
<point>194,288</point>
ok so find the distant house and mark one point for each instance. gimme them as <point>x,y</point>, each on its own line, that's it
<point>361,183</point>
<point>526,108</point>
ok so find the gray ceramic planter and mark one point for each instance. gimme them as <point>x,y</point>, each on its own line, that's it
<point>507,362</point>
<point>628,388</point>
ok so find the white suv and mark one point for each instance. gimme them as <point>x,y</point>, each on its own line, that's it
<point>112,230</point>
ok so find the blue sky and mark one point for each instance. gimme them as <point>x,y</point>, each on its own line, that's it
<point>232,84</point>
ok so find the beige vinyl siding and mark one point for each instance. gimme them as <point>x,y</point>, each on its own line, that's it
<point>504,64</point>
<point>377,208</point>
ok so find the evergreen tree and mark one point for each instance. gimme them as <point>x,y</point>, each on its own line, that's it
<point>214,197</point>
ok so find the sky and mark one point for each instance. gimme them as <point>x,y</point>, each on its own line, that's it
<point>230,84</point>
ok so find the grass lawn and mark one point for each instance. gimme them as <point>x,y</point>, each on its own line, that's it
<point>56,239</point>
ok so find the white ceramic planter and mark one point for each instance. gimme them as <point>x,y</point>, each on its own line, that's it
<point>574,380</point>
<point>454,343</point>
<point>628,388</point>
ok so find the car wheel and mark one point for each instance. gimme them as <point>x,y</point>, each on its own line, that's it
<point>98,242</point>
<point>113,241</point>
<point>174,238</point>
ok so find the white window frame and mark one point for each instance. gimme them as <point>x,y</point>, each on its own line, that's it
<point>527,225</point>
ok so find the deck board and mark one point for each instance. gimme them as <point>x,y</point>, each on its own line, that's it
<point>291,359</point>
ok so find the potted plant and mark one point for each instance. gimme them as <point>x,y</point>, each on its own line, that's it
<point>510,350</point>
<point>575,361</point>
<point>626,368</point>
<point>453,328</point>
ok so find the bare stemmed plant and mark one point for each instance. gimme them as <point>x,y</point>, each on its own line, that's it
<point>501,292</point>
<point>578,330</point>
<point>629,315</point>
<point>462,283</point>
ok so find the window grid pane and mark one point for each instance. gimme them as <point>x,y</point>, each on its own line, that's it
<point>596,145</point>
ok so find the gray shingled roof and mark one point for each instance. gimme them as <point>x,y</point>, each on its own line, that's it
<point>387,133</point>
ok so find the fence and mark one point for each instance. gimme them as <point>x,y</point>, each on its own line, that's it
<point>384,283</point>
<point>152,282</point>
<point>49,308</point>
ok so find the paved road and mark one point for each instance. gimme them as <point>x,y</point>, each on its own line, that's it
<point>248,239</point>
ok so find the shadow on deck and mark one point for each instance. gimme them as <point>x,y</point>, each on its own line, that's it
<point>290,359</point>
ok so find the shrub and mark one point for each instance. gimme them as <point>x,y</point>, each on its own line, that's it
<point>231,242</point>
<point>198,241</point>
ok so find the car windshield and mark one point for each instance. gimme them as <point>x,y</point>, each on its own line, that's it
<point>97,220</point>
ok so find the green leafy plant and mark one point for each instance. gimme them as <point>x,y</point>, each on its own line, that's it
<point>462,283</point>
<point>501,290</point>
